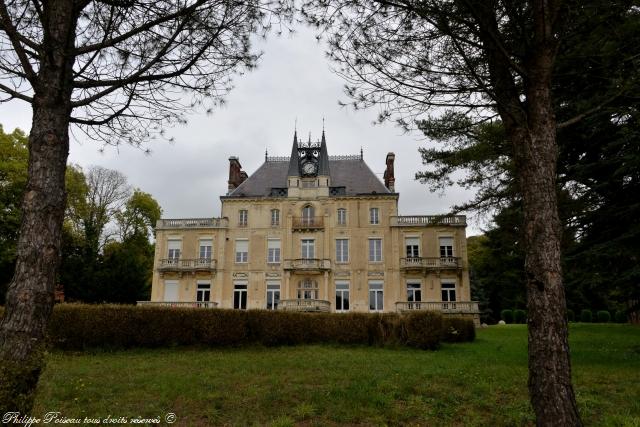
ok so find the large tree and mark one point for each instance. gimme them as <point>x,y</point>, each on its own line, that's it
<point>598,166</point>
<point>461,63</point>
<point>120,71</point>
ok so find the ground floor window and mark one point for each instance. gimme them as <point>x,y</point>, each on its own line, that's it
<point>342,296</point>
<point>171,290</point>
<point>203,293</point>
<point>376,296</point>
<point>448,294</point>
<point>414,293</point>
<point>240,296</point>
<point>273,295</point>
<point>307,289</point>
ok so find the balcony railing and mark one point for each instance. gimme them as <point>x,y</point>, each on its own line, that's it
<point>308,223</point>
<point>187,264</point>
<point>304,305</point>
<point>179,304</point>
<point>432,263</point>
<point>192,223</point>
<point>424,220</point>
<point>452,307</point>
<point>307,264</point>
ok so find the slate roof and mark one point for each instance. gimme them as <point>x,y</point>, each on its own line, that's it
<point>353,174</point>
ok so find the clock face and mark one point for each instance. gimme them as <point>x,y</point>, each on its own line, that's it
<point>309,168</point>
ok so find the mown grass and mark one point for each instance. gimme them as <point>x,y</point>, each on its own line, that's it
<point>480,383</point>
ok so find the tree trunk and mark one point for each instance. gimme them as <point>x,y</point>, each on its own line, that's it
<point>536,153</point>
<point>30,295</point>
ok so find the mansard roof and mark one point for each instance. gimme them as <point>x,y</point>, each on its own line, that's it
<point>350,175</point>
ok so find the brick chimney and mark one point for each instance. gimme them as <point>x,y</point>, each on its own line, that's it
<point>236,174</point>
<point>389,178</point>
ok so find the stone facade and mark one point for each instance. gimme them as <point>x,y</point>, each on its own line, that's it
<point>315,233</point>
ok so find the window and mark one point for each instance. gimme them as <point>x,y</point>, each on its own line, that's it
<point>203,293</point>
<point>342,250</point>
<point>240,295</point>
<point>446,247</point>
<point>342,296</point>
<point>376,296</point>
<point>375,250</point>
<point>342,216</point>
<point>205,248</point>
<point>414,293</point>
<point>412,245</point>
<point>242,250</point>
<point>273,295</point>
<point>307,215</point>
<point>243,217</point>
<point>309,183</point>
<point>275,217</point>
<point>374,216</point>
<point>307,289</point>
<point>308,248</point>
<point>173,250</point>
<point>171,290</point>
<point>273,251</point>
<point>448,291</point>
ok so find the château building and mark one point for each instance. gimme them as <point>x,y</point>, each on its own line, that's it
<point>313,232</point>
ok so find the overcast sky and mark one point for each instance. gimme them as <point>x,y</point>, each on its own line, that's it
<point>293,81</point>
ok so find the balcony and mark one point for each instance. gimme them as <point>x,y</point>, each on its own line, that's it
<point>425,220</point>
<point>192,223</point>
<point>178,304</point>
<point>432,263</point>
<point>186,265</point>
<point>454,307</point>
<point>307,223</point>
<point>308,305</point>
<point>307,265</point>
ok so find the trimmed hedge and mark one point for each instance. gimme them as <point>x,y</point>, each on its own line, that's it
<point>458,329</point>
<point>571,316</point>
<point>519,316</point>
<point>80,327</point>
<point>586,316</point>
<point>620,316</point>
<point>506,315</point>
<point>603,316</point>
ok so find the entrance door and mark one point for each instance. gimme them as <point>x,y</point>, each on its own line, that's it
<point>171,290</point>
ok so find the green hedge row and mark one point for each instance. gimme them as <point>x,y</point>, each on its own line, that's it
<point>513,316</point>
<point>79,327</point>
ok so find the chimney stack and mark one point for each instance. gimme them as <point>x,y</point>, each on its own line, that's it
<point>236,174</point>
<point>389,178</point>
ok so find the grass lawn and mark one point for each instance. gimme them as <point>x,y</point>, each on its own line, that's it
<point>481,383</point>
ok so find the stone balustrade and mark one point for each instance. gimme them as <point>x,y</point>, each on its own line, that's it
<point>424,220</point>
<point>305,305</point>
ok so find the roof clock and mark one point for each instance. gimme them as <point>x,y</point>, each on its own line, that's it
<point>309,168</point>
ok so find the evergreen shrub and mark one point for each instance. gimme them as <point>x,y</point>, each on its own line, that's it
<point>620,316</point>
<point>571,316</point>
<point>519,316</point>
<point>506,315</point>
<point>586,316</point>
<point>603,316</point>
